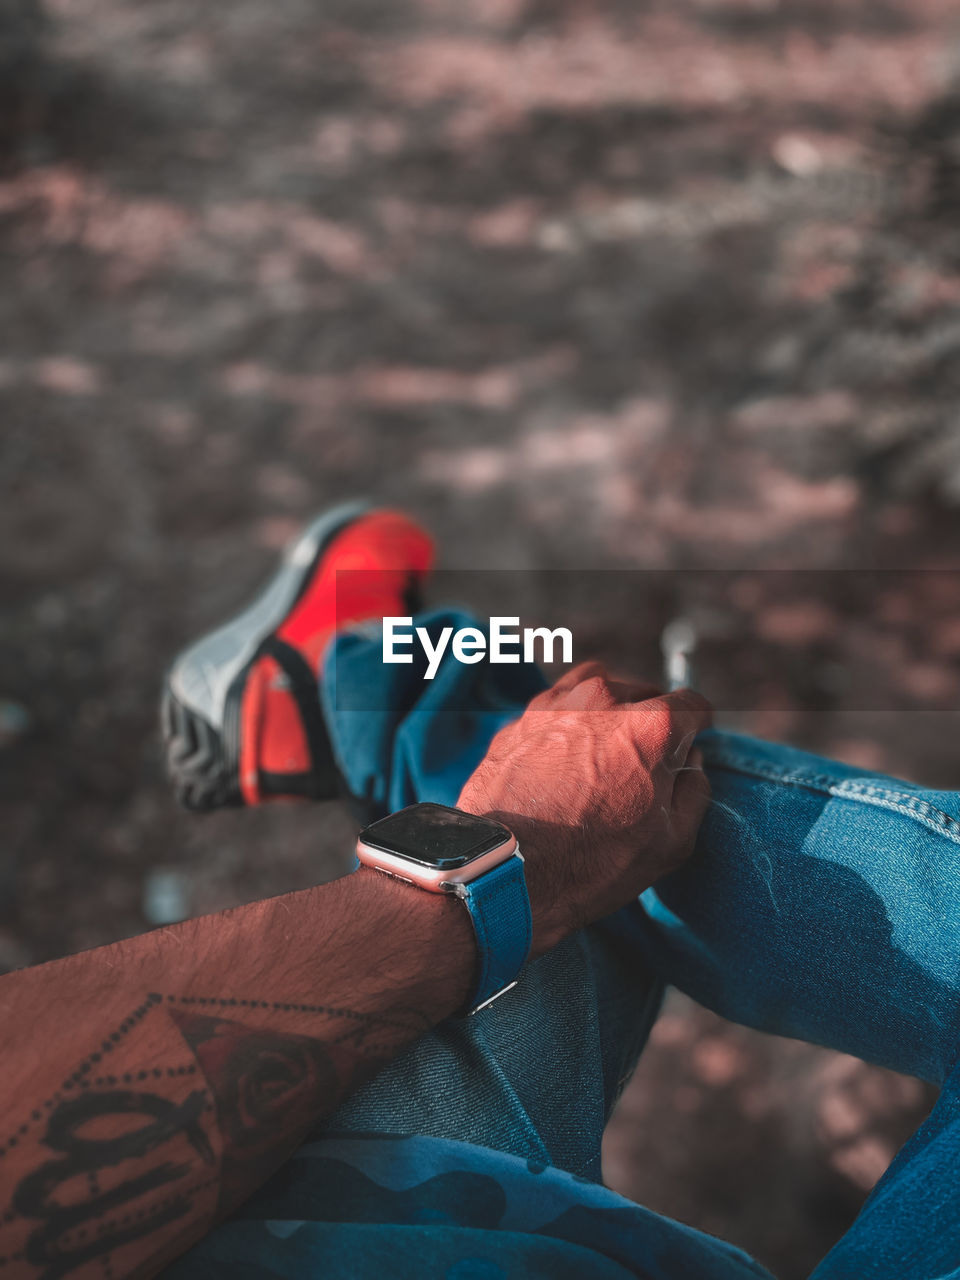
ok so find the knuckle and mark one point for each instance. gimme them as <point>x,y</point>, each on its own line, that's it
<point>597,685</point>
<point>699,706</point>
<point>658,722</point>
<point>572,678</point>
<point>586,669</point>
<point>591,694</point>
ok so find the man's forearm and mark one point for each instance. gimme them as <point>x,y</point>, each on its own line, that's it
<point>152,1085</point>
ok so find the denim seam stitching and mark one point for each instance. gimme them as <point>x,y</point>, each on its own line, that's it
<point>908,806</point>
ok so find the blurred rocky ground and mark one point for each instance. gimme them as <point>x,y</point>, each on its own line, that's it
<point>659,285</point>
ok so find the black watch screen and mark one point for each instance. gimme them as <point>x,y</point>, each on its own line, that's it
<point>435,836</point>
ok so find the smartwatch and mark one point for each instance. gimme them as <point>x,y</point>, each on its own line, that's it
<point>445,850</point>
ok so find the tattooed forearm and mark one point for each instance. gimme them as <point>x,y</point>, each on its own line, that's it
<point>131,1144</point>
<point>265,1081</point>
<point>180,1109</point>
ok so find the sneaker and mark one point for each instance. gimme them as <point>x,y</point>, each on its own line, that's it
<point>241,716</point>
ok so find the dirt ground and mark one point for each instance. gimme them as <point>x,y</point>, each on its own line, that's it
<point>671,285</point>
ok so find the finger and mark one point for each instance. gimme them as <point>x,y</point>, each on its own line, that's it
<point>691,796</point>
<point>584,688</point>
<point>576,675</point>
<point>588,687</point>
<point>592,694</point>
<point>564,686</point>
<point>679,717</point>
<point>693,762</point>
<point>608,690</point>
<point>598,693</point>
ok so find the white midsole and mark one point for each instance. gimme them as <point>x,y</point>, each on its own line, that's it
<point>202,675</point>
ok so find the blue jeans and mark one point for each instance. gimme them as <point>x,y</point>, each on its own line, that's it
<point>821,903</point>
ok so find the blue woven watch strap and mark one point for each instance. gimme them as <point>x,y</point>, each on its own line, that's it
<point>500,909</point>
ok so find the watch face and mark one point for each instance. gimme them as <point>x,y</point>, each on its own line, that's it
<point>435,836</point>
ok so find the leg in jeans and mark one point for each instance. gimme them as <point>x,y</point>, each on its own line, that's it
<point>824,903</point>
<point>821,902</point>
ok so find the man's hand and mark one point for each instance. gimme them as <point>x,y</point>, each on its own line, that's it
<point>602,786</point>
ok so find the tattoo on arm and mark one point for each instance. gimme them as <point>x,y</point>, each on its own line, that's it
<point>119,1155</point>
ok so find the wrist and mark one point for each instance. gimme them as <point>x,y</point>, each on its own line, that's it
<point>435,947</point>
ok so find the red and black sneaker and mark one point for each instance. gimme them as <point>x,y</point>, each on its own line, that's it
<point>241,717</point>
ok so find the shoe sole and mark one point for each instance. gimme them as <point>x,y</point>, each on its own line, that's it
<point>201,689</point>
